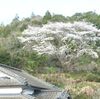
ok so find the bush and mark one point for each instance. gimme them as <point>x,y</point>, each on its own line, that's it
<point>33,61</point>
<point>92,77</point>
<point>84,60</point>
<point>4,56</point>
<point>82,96</point>
<point>51,69</point>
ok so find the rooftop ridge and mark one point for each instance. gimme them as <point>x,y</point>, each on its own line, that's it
<point>10,67</point>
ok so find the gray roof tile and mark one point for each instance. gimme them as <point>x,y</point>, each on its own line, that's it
<point>15,97</point>
<point>47,95</point>
<point>15,77</point>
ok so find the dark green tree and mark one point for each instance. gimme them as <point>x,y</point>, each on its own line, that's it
<point>58,18</point>
<point>47,17</point>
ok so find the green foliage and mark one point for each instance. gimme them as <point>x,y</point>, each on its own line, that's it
<point>12,53</point>
<point>17,61</point>
<point>58,18</point>
<point>87,16</point>
<point>33,61</point>
<point>51,69</point>
<point>15,23</point>
<point>98,43</point>
<point>47,17</point>
<point>36,22</point>
<point>31,66</point>
<point>4,56</point>
<point>4,30</point>
<point>61,85</point>
<point>93,77</point>
<point>19,58</point>
<point>84,60</point>
<point>20,25</point>
<point>82,96</point>
<point>1,30</point>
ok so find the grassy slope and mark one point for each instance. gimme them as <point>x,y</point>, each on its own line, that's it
<point>75,83</point>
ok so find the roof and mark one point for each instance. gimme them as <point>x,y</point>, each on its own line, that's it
<point>16,97</point>
<point>12,77</point>
<point>20,77</point>
<point>7,78</point>
<point>48,95</point>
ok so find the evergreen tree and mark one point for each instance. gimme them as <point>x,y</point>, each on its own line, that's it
<point>47,17</point>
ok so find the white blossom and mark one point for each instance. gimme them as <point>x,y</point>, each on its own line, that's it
<point>90,52</point>
<point>57,38</point>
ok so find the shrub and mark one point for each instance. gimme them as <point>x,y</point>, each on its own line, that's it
<point>51,70</point>
<point>4,56</point>
<point>92,77</point>
<point>82,96</point>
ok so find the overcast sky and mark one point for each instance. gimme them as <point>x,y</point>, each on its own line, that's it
<point>24,8</point>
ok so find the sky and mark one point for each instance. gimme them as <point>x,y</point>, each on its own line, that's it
<point>24,8</point>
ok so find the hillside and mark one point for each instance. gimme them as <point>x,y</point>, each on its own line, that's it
<point>66,42</point>
<point>62,50</point>
<point>75,46</point>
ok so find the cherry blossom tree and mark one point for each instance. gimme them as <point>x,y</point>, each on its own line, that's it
<point>66,41</point>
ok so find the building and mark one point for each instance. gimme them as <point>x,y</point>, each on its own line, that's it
<point>18,84</point>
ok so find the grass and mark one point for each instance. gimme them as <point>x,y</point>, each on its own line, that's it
<point>82,96</point>
<point>74,82</point>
